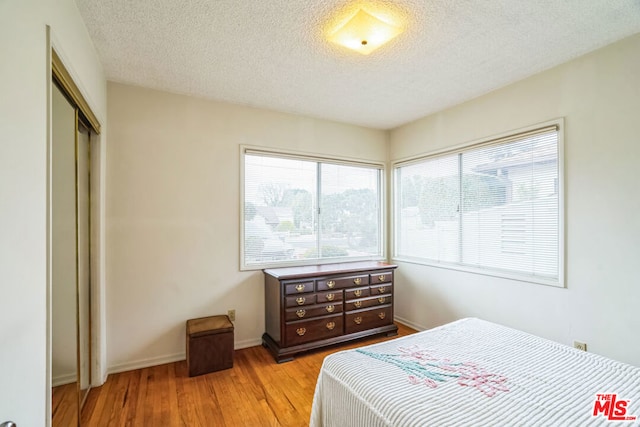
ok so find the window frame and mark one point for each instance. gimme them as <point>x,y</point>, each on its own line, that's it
<point>318,158</point>
<point>461,148</point>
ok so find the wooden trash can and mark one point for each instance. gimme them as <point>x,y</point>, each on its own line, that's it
<point>209,344</point>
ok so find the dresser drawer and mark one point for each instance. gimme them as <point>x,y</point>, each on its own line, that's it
<point>298,287</point>
<point>311,330</point>
<point>386,288</point>
<point>342,282</point>
<point>367,302</point>
<point>332,296</point>
<point>366,319</point>
<point>315,311</point>
<point>297,300</point>
<point>354,293</point>
<point>381,277</point>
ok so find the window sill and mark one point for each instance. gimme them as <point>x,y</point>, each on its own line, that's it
<point>556,283</point>
<point>300,263</point>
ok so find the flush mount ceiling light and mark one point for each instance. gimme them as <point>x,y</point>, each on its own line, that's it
<point>364,32</point>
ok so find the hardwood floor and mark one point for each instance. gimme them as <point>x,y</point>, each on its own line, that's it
<point>64,405</point>
<point>255,392</point>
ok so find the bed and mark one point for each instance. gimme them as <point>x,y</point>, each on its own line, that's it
<point>473,372</point>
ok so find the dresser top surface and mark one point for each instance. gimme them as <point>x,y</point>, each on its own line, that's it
<point>327,269</point>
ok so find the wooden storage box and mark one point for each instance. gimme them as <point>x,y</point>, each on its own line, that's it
<point>209,344</point>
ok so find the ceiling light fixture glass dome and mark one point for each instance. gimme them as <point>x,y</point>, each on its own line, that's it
<point>364,33</point>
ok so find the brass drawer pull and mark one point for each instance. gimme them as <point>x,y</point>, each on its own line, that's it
<point>300,300</point>
<point>357,292</point>
<point>331,297</point>
<point>357,280</point>
<point>381,300</point>
<point>357,304</point>
<point>382,315</point>
<point>301,331</point>
<point>331,284</point>
<point>301,313</point>
<point>358,320</point>
<point>381,277</point>
<point>331,325</point>
<point>330,308</point>
<point>382,289</point>
<point>300,288</point>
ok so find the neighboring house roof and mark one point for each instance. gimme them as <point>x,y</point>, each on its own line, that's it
<point>275,215</point>
<point>268,213</point>
<point>543,155</point>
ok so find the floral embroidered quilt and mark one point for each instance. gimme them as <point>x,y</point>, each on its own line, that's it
<point>474,372</point>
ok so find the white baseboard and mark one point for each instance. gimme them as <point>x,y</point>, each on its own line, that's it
<point>63,379</point>
<point>409,324</point>
<point>247,343</point>
<point>170,358</point>
<point>145,363</point>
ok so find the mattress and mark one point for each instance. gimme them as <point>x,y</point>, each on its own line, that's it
<point>473,372</point>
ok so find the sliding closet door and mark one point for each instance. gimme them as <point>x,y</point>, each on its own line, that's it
<point>84,266</point>
<point>64,350</point>
<point>73,125</point>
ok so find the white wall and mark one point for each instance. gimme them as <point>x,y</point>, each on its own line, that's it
<point>173,211</point>
<point>24,85</point>
<point>599,96</point>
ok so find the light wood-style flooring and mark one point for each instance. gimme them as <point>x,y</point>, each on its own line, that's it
<point>255,392</point>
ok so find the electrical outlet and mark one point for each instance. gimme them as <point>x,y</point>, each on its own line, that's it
<point>232,314</point>
<point>580,345</point>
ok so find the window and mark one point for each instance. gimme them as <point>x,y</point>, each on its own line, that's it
<point>492,207</point>
<point>304,210</point>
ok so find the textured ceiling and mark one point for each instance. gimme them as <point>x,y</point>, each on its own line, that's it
<point>273,54</point>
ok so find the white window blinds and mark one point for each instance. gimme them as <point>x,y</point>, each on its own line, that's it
<point>300,210</point>
<point>493,207</point>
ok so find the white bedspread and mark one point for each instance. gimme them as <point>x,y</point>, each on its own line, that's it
<point>473,372</point>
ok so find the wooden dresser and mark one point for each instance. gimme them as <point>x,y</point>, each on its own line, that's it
<point>315,306</point>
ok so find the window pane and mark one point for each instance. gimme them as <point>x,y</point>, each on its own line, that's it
<point>283,222</point>
<point>279,209</point>
<point>510,209</point>
<point>349,211</point>
<point>492,207</point>
<point>428,217</point>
